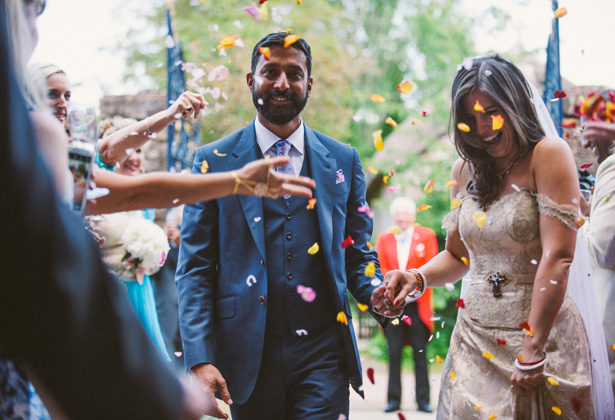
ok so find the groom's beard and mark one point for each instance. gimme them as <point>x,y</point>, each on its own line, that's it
<point>279,115</point>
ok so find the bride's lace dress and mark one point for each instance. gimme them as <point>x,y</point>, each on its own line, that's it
<point>476,377</point>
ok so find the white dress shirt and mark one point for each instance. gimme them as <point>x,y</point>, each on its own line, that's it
<point>266,141</point>
<point>404,240</point>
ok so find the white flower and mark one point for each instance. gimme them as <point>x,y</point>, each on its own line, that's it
<point>147,242</point>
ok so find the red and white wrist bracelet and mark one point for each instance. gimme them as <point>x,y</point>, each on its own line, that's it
<point>421,283</point>
<point>533,365</point>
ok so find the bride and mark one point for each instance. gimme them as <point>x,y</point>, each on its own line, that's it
<point>520,348</point>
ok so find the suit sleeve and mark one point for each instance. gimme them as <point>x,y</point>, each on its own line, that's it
<point>60,310</point>
<point>196,276</point>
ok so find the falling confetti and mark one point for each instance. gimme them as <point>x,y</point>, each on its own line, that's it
<point>576,404</point>
<point>401,416</point>
<point>394,188</point>
<point>301,332</point>
<point>552,381</point>
<point>204,167</point>
<point>456,202</point>
<point>252,10</point>
<point>227,42</point>
<point>557,410</point>
<point>311,204</point>
<point>376,282</point>
<point>395,230</point>
<point>479,407</point>
<point>385,179</point>
<point>405,87</point>
<point>586,166</point>
<point>370,269</point>
<point>395,321</point>
<point>307,293</point>
<point>465,260</point>
<point>378,143</point>
<point>429,186</point>
<point>450,183</point>
<point>290,40</point>
<point>314,249</point>
<point>362,307</point>
<point>480,217</point>
<point>497,122</point>
<point>501,341</point>
<point>453,374</point>
<point>367,211</point>
<point>569,123</point>
<point>561,12</point>
<point>347,242</point>
<point>526,327</point>
<point>488,355</point>
<point>463,127</point>
<point>553,281</point>
<point>257,219</point>
<point>478,107</point>
<point>372,170</point>
<point>377,98</point>
<point>559,94</point>
<point>341,317</point>
<point>493,416</point>
<point>449,286</point>
<point>613,347</point>
<point>460,303</point>
<point>423,207</point>
<point>425,114</point>
<point>264,9</point>
<point>265,51</point>
<point>369,245</point>
<point>534,262</point>
<point>130,151</point>
<point>390,121</point>
<point>407,320</point>
<point>468,62</point>
<point>218,153</point>
<point>439,360</point>
<point>370,375</point>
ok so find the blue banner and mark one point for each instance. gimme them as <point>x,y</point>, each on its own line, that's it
<point>553,79</point>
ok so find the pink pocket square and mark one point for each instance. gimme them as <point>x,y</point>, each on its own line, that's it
<point>339,176</point>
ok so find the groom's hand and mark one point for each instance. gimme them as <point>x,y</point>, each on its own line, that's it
<point>383,306</point>
<point>213,381</point>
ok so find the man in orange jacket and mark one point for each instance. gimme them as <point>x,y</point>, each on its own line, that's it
<point>412,248</point>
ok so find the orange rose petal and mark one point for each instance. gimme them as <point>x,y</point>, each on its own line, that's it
<point>391,171</point>
<point>479,407</point>
<point>465,260</point>
<point>488,355</point>
<point>478,107</point>
<point>497,122</point>
<point>378,143</point>
<point>341,317</point>
<point>463,127</point>
<point>439,360</point>
<point>372,170</point>
<point>377,98</point>
<point>613,347</point>
<point>450,183</point>
<point>423,207</point>
<point>311,203</point>
<point>405,87</point>
<point>561,12</point>
<point>227,42</point>
<point>429,186</point>
<point>265,51</point>
<point>526,327</point>
<point>204,167</point>
<point>385,179</point>
<point>390,121</point>
<point>290,40</point>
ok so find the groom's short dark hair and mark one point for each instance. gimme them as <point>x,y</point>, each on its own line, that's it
<point>277,39</point>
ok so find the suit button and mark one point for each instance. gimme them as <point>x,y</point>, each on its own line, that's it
<point>289,256</point>
<point>262,263</point>
<point>289,276</point>
<point>289,236</point>
<point>289,216</point>
<point>289,294</point>
<point>262,300</point>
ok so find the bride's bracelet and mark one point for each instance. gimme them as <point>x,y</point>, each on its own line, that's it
<point>533,365</point>
<point>239,181</point>
<point>421,283</point>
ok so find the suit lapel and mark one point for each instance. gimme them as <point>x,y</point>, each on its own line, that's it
<point>246,151</point>
<point>322,168</point>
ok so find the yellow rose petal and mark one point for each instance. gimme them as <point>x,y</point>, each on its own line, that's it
<point>478,107</point>
<point>204,167</point>
<point>369,245</point>
<point>341,317</point>
<point>378,143</point>
<point>314,249</point>
<point>453,374</point>
<point>463,127</point>
<point>557,410</point>
<point>488,355</point>
<point>423,207</point>
<point>218,153</point>
<point>405,87</point>
<point>429,186</point>
<point>377,98</point>
<point>290,40</point>
<point>456,202</point>
<point>552,381</point>
<point>493,416</point>
<point>395,321</point>
<point>479,407</point>
<point>390,121</point>
<point>480,217</point>
<point>385,179</point>
<point>465,260</point>
<point>362,307</point>
<point>497,122</point>
<point>395,230</point>
<point>370,269</point>
<point>372,170</point>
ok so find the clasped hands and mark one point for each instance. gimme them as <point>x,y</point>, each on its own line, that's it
<point>389,299</point>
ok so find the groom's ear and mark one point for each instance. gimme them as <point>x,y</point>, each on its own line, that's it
<point>250,80</point>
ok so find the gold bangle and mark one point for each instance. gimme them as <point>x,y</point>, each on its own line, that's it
<point>239,181</point>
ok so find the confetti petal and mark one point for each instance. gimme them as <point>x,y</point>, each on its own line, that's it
<point>378,143</point>
<point>395,321</point>
<point>449,286</point>
<point>501,341</point>
<point>290,40</point>
<point>362,307</point>
<point>394,188</point>
<point>377,98</point>
<point>204,167</point>
<point>480,217</point>
<point>488,355</point>
<point>456,202</point>
<point>301,332</point>
<point>557,410</point>
<point>264,9</point>
<point>313,249</point>
<point>429,186</point>
<point>227,42</point>
<point>367,211</point>
<point>453,374</point>
<point>493,416</point>
<point>265,51</point>
<point>369,245</point>
<point>347,242</point>
<point>586,166</point>
<point>576,404</point>
<point>370,375</point>
<point>401,416</point>
<point>559,94</point>
<point>497,122</point>
<point>252,10</point>
<point>463,127</point>
<point>561,12</point>
<point>479,407</point>
<point>478,107</point>
<point>395,230</point>
<point>552,381</point>
<point>460,303</point>
<point>390,121</point>
<point>406,319</point>
<point>307,293</point>
<point>311,204</point>
<point>341,317</point>
<point>423,207</point>
<point>218,153</point>
<point>613,347</point>
<point>425,114</point>
<point>405,87</point>
<point>372,170</point>
<point>370,269</point>
<point>526,327</point>
<point>439,360</point>
<point>450,183</point>
<point>465,260</point>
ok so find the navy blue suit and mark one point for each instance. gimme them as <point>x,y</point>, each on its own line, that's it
<point>223,268</point>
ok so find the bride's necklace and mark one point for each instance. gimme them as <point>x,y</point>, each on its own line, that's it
<point>507,170</point>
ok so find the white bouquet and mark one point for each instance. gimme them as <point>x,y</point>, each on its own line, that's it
<point>146,248</point>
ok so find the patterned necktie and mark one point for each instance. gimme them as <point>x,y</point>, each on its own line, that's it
<point>282,148</point>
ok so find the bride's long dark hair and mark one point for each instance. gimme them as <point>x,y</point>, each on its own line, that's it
<point>503,82</point>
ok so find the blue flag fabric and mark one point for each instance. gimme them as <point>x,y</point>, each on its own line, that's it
<point>179,155</point>
<point>553,80</point>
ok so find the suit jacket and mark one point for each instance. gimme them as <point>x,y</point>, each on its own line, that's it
<point>424,247</point>
<point>222,275</point>
<point>60,311</point>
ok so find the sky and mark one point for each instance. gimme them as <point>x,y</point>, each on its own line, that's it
<point>80,36</point>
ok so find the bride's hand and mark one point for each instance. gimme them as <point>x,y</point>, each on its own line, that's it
<point>525,380</point>
<point>278,184</point>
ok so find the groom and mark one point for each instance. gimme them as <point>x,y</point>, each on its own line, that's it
<point>263,320</point>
